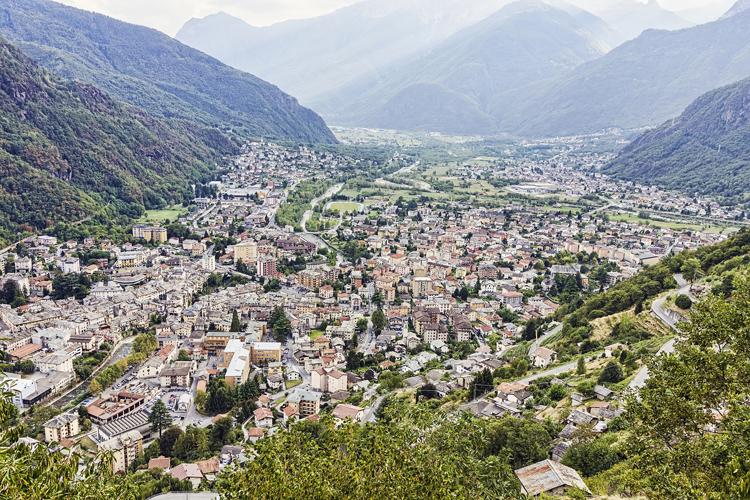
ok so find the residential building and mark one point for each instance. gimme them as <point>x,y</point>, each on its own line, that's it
<point>61,427</point>
<point>125,450</point>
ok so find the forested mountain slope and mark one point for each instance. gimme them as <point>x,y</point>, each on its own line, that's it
<point>155,72</point>
<point>705,150</point>
<point>69,151</point>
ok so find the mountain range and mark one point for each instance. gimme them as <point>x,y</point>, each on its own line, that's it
<point>155,72</point>
<point>528,68</point>
<point>704,150</point>
<point>464,84</point>
<point>640,83</point>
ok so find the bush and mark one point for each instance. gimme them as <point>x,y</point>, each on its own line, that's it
<point>683,302</point>
<point>612,373</point>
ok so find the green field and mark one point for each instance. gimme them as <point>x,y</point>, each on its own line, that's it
<point>343,207</point>
<point>635,219</point>
<point>170,214</point>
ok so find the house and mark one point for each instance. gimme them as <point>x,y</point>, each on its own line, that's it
<point>328,380</point>
<point>263,417</point>
<point>549,478</point>
<point>602,393</point>
<point>161,462</point>
<point>345,412</point>
<point>256,433</point>
<point>308,402</point>
<point>177,375</point>
<point>61,427</point>
<point>544,357</point>
<point>125,450</point>
<point>190,472</point>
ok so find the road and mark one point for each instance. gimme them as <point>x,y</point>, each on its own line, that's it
<point>671,319</point>
<point>553,372</point>
<point>371,413</point>
<point>119,351</point>
<point>539,341</point>
<point>332,191</point>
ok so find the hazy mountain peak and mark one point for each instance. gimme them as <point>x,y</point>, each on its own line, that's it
<point>740,6</point>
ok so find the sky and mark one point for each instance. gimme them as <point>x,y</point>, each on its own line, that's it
<point>168,16</point>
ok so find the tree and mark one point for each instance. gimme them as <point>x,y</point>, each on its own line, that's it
<point>183,355</point>
<point>221,432</point>
<point>612,373</point>
<point>159,418</point>
<point>526,441</point>
<point>581,366</point>
<point>691,269</point>
<point>280,325</point>
<point>690,424</point>
<point>168,440</point>
<point>427,391</point>
<point>639,307</point>
<point>219,397</point>
<point>591,457</point>
<point>481,385</point>
<point>361,326</point>
<point>236,326</point>
<point>683,302</point>
<point>378,320</point>
<point>192,444</point>
<point>353,457</point>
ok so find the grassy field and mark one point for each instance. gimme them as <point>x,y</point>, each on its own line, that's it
<point>635,219</point>
<point>343,206</point>
<point>170,214</point>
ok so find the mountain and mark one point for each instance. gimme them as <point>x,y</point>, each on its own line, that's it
<point>706,150</point>
<point>69,151</point>
<point>311,57</point>
<point>630,18</point>
<point>642,83</point>
<point>464,84</point>
<point>737,8</point>
<point>151,70</point>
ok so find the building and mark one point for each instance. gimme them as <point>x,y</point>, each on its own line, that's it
<point>421,286</point>
<point>208,262</point>
<point>55,362</point>
<point>237,360</point>
<point>215,342</point>
<point>177,375</point>
<point>125,450</point>
<point>22,389</point>
<point>247,252</point>
<point>150,233</point>
<point>344,412</point>
<point>308,402</point>
<point>262,353</point>
<point>71,265</point>
<point>328,380</point>
<point>130,259</point>
<point>61,427</point>
<point>549,478</point>
<point>266,267</point>
<point>106,409</point>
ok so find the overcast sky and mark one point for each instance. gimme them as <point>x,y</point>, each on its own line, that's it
<point>169,15</point>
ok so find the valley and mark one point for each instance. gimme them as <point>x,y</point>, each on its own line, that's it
<point>515,265</point>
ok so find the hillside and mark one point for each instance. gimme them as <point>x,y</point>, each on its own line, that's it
<point>155,72</point>
<point>69,151</point>
<point>706,150</point>
<point>641,83</point>
<point>311,57</point>
<point>464,85</point>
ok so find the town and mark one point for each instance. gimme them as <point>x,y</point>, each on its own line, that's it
<point>304,284</point>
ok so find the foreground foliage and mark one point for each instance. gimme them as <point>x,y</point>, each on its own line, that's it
<point>415,453</point>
